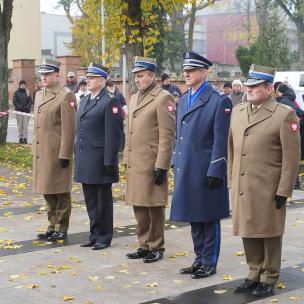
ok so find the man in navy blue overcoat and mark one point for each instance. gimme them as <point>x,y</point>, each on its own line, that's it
<point>200,164</point>
<point>99,124</point>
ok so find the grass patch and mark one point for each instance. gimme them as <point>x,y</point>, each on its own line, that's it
<point>16,155</point>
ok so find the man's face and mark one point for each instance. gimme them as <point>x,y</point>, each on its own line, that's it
<point>22,86</point>
<point>71,79</point>
<point>143,79</point>
<point>95,84</point>
<point>195,76</point>
<point>111,88</point>
<point>39,84</point>
<point>83,88</point>
<point>227,90</point>
<point>167,81</point>
<point>236,88</point>
<point>259,93</point>
<point>49,79</point>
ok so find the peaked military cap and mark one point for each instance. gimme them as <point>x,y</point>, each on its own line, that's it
<point>194,60</point>
<point>144,63</point>
<point>49,66</point>
<point>258,74</point>
<point>97,70</point>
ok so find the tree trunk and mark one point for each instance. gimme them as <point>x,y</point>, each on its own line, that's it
<point>134,43</point>
<point>300,34</point>
<point>262,15</point>
<point>5,28</point>
<point>191,26</point>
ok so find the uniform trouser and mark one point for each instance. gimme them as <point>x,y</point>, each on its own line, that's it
<point>150,227</point>
<point>22,122</point>
<point>263,256</point>
<point>59,211</point>
<point>99,202</point>
<point>206,239</point>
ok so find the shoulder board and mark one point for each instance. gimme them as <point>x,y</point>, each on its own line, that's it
<point>285,106</point>
<point>240,104</point>
<point>219,92</point>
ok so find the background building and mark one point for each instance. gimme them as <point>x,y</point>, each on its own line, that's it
<point>25,39</point>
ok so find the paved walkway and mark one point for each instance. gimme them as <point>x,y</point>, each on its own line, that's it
<point>37,272</point>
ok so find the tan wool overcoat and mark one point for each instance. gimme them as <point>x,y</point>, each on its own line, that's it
<point>54,134</point>
<point>149,145</point>
<point>263,160</point>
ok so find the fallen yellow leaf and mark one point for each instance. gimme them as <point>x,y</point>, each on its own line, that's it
<point>220,291</point>
<point>94,278</point>
<point>281,285</point>
<point>67,298</point>
<point>154,284</point>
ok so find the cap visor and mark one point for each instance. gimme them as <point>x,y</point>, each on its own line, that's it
<point>138,69</point>
<point>252,82</point>
<point>45,71</point>
<point>191,67</point>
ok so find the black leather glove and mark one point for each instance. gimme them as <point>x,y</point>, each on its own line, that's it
<point>159,176</point>
<point>64,162</point>
<point>214,182</point>
<point>281,200</point>
<point>110,169</point>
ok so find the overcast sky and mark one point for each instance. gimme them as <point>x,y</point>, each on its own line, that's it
<point>48,6</point>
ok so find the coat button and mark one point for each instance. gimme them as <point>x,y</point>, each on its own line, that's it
<point>184,122</point>
<point>177,169</point>
<point>134,115</point>
<point>130,150</point>
<point>37,156</point>
<point>39,111</point>
<point>131,132</point>
<point>37,142</point>
<point>179,153</point>
<point>80,130</point>
<point>244,154</point>
<point>81,119</point>
<point>242,173</point>
<point>38,127</point>
<point>241,193</point>
<point>181,137</point>
<point>246,134</point>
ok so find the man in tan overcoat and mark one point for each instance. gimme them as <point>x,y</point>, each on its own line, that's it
<point>148,152</point>
<point>263,158</point>
<point>53,144</point>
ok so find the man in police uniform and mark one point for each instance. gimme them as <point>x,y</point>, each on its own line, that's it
<point>148,151</point>
<point>200,164</point>
<point>264,153</point>
<point>53,143</point>
<point>99,123</point>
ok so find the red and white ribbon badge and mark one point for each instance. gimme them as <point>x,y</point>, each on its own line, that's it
<point>115,110</point>
<point>227,110</point>
<point>294,126</point>
<point>72,103</point>
<point>170,108</point>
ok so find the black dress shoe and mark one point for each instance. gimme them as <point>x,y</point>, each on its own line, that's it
<point>263,289</point>
<point>153,256</point>
<point>45,236</point>
<point>139,254</point>
<point>247,285</point>
<point>192,269</point>
<point>20,140</point>
<point>57,236</point>
<point>99,246</point>
<point>25,140</point>
<point>204,272</point>
<point>88,244</point>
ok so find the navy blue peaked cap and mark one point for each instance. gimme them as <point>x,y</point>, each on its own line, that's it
<point>194,60</point>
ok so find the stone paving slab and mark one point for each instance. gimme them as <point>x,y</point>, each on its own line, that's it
<point>106,276</point>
